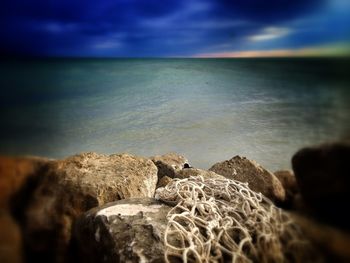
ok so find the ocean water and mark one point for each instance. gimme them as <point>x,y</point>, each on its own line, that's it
<point>206,109</point>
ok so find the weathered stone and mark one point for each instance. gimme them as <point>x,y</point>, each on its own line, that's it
<point>188,172</point>
<point>129,230</point>
<point>258,178</point>
<point>323,176</point>
<point>169,164</point>
<point>162,182</point>
<point>75,185</point>
<point>61,190</point>
<point>289,183</point>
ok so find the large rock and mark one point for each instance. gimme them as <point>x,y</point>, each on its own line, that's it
<point>124,231</point>
<point>10,240</point>
<point>19,177</point>
<point>188,172</point>
<point>323,176</point>
<point>169,164</point>
<point>334,243</point>
<point>47,208</point>
<point>289,183</point>
<point>258,178</point>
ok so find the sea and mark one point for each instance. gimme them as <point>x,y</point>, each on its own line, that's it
<point>208,110</point>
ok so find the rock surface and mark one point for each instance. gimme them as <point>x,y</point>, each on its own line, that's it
<point>258,178</point>
<point>10,240</point>
<point>162,182</point>
<point>169,164</point>
<point>124,231</point>
<point>323,176</point>
<point>289,183</point>
<point>18,178</point>
<point>67,188</point>
<point>18,174</point>
<point>333,242</point>
<point>188,172</point>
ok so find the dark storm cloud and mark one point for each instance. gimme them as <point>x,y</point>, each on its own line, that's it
<point>140,27</point>
<point>266,11</point>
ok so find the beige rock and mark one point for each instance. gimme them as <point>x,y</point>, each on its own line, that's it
<point>67,188</point>
<point>129,230</point>
<point>188,172</point>
<point>169,164</point>
<point>162,182</point>
<point>258,178</point>
<point>289,183</point>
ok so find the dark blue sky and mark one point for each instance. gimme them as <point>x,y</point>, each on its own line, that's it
<point>147,28</point>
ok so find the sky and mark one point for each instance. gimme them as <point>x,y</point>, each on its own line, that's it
<point>174,28</point>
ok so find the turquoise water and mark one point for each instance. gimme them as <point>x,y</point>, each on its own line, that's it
<point>206,109</point>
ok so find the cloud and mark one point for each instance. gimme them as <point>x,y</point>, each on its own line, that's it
<point>154,28</point>
<point>269,33</point>
<point>267,11</point>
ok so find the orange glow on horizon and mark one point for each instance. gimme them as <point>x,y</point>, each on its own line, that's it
<point>303,52</point>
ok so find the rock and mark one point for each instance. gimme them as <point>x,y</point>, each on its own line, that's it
<point>323,177</point>
<point>162,182</point>
<point>17,175</point>
<point>130,230</point>
<point>67,188</point>
<point>169,164</point>
<point>10,239</point>
<point>289,183</point>
<point>333,242</point>
<point>258,178</point>
<point>186,173</point>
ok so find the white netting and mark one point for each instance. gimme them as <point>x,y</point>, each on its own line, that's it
<point>222,220</point>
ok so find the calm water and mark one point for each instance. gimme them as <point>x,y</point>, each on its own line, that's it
<point>207,109</point>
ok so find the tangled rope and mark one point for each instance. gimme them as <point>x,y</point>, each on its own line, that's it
<point>222,220</point>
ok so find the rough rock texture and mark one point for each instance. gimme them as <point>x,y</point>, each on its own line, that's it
<point>188,172</point>
<point>129,230</point>
<point>47,205</point>
<point>169,164</point>
<point>258,178</point>
<point>289,183</point>
<point>323,176</point>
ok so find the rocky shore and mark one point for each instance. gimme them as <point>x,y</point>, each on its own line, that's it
<point>106,208</point>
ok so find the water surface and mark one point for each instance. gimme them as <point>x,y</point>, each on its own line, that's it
<point>207,109</point>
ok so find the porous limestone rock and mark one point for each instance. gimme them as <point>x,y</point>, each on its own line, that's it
<point>47,206</point>
<point>258,178</point>
<point>130,230</point>
<point>169,164</point>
